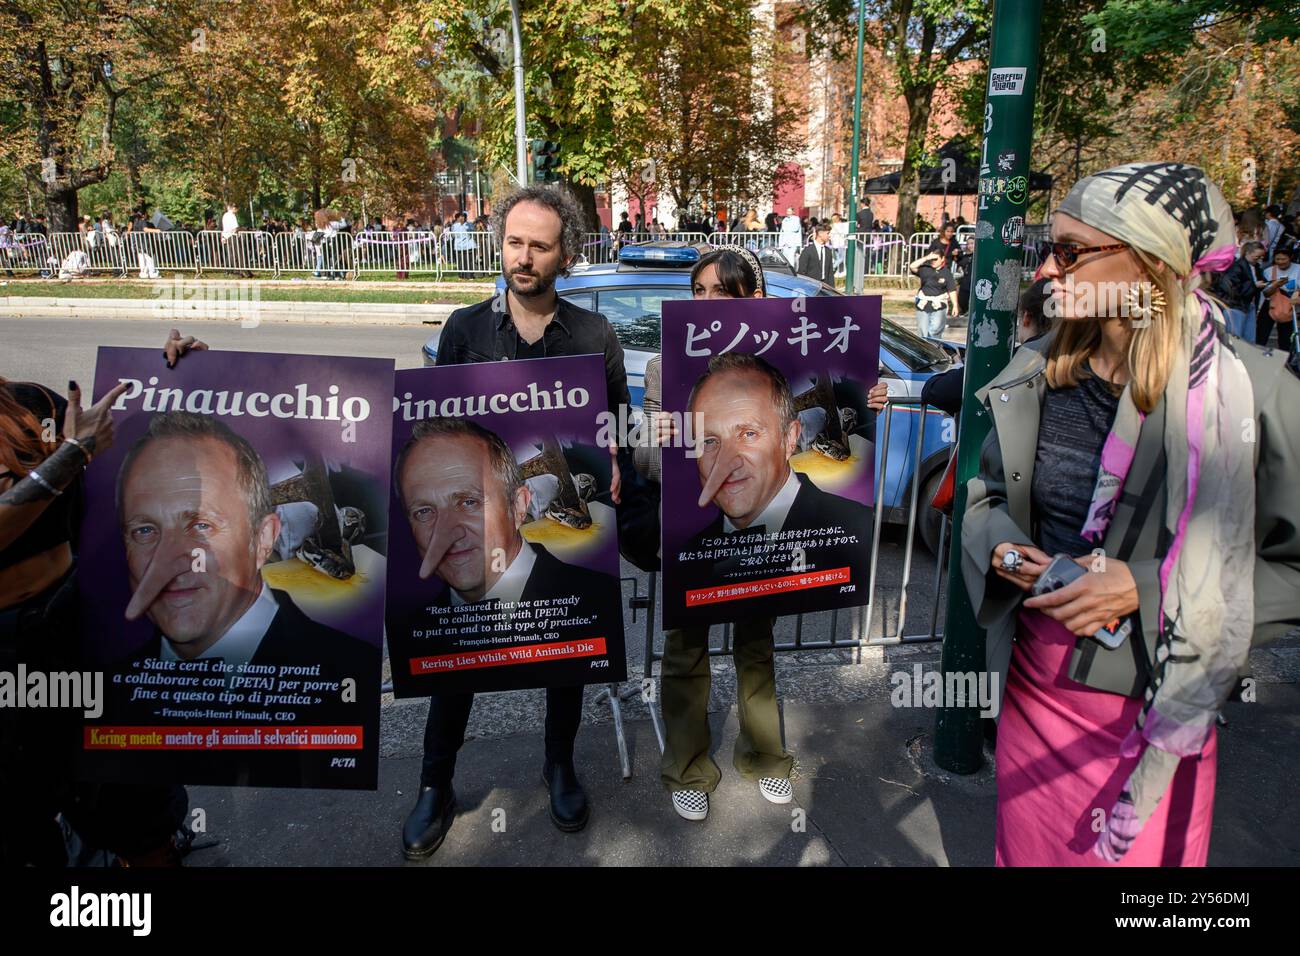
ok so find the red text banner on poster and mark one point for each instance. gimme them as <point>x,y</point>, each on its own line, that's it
<point>526,654</point>
<point>789,582</point>
<point>224,738</point>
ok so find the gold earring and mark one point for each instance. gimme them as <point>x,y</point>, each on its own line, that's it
<point>1142,314</point>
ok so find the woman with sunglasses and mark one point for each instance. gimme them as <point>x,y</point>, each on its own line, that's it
<point>687,769</point>
<point>1132,439</point>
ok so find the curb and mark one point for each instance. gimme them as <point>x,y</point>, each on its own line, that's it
<point>244,312</point>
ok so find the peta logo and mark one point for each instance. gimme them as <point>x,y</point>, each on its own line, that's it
<point>348,762</point>
<point>75,909</point>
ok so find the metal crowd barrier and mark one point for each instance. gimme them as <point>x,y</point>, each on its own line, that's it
<point>880,255</point>
<point>417,252</point>
<point>243,252</point>
<point>26,253</point>
<point>148,254</point>
<point>470,253</point>
<point>105,251</point>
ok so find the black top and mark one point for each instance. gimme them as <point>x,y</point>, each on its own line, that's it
<point>935,282</point>
<point>1074,426</point>
<point>525,351</point>
<point>59,521</point>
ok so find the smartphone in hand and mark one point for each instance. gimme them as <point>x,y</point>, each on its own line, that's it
<point>1061,572</point>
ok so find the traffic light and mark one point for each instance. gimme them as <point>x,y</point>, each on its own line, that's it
<point>546,157</point>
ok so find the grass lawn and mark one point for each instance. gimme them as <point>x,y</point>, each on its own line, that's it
<point>267,290</point>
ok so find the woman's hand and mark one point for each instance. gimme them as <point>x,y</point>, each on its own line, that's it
<point>877,397</point>
<point>665,429</point>
<point>1096,600</point>
<point>93,428</point>
<point>1035,563</point>
<point>176,346</point>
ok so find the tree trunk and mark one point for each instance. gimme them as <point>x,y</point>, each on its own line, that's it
<point>61,209</point>
<point>909,177</point>
<point>586,196</point>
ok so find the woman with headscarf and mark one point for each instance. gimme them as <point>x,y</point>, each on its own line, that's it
<point>1133,439</point>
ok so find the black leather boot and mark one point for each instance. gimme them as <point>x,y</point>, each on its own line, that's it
<point>428,823</point>
<point>569,809</point>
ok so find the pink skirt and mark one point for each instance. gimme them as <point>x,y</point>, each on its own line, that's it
<point>1059,769</point>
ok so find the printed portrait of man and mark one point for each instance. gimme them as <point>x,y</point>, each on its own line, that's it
<point>465,500</point>
<point>198,525</point>
<point>747,432</point>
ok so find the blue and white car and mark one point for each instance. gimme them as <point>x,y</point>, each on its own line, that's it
<point>631,294</point>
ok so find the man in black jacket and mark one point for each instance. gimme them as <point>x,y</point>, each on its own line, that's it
<point>1238,287</point>
<point>540,231</point>
<point>817,261</point>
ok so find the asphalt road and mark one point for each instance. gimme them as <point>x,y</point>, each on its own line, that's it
<point>51,351</point>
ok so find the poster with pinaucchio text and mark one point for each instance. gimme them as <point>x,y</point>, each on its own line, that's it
<point>232,569</point>
<point>768,487</point>
<point>504,563</point>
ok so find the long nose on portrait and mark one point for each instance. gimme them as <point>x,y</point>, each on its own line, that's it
<point>170,559</point>
<point>445,534</point>
<point>724,465</point>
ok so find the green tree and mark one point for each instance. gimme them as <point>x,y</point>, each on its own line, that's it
<point>922,40</point>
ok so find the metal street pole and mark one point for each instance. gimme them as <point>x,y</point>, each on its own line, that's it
<point>990,337</point>
<point>521,149</point>
<point>850,285</point>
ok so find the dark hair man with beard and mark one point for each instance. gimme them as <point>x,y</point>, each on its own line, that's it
<point>539,231</point>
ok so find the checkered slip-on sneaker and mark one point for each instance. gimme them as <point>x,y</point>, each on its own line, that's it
<point>691,804</point>
<point>776,789</point>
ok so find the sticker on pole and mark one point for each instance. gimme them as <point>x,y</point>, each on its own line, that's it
<point>1007,81</point>
<point>1013,231</point>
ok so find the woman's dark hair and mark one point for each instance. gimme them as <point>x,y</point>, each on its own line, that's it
<point>734,272</point>
<point>1033,302</point>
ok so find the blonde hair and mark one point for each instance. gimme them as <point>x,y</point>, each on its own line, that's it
<point>1152,346</point>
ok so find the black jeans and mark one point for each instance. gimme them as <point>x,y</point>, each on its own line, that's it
<point>1264,328</point>
<point>444,731</point>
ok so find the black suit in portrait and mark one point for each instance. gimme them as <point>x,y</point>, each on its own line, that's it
<point>292,640</point>
<point>549,578</point>
<point>811,510</point>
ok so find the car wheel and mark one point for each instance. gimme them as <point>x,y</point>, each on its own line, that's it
<point>928,519</point>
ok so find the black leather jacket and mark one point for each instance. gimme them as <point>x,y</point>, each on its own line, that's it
<point>476,333</point>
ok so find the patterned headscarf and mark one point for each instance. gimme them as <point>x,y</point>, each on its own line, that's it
<point>1170,210</point>
<point>1173,212</point>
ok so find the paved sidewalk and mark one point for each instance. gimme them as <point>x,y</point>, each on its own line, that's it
<point>866,793</point>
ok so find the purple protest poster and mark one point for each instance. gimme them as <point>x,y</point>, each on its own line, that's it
<point>504,570</point>
<point>232,569</point>
<point>767,493</point>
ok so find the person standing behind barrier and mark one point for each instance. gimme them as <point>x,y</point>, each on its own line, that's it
<point>1281,295</point>
<point>817,261</point>
<point>462,244</point>
<point>965,262</point>
<point>139,226</point>
<point>791,237</point>
<point>687,770</point>
<point>839,241</point>
<point>540,232</point>
<point>1120,440</point>
<point>1238,288</point>
<point>938,293</point>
